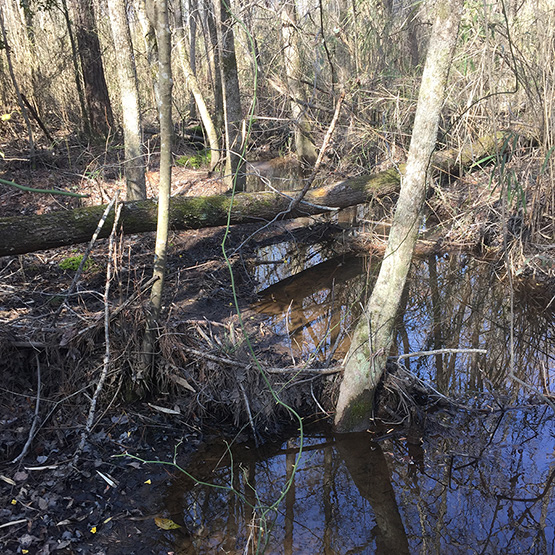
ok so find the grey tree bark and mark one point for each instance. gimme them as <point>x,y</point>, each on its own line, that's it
<point>233,113</point>
<point>372,339</point>
<point>165,83</point>
<point>129,95</point>
<point>304,146</point>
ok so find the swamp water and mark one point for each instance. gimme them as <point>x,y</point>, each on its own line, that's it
<point>477,478</point>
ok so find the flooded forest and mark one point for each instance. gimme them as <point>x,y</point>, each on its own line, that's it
<point>277,277</point>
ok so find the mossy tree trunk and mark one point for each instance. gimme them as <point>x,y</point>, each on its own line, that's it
<point>23,234</point>
<point>372,339</point>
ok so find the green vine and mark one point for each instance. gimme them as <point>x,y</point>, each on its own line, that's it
<point>33,190</point>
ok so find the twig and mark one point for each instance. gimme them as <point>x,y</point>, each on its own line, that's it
<point>86,256</point>
<point>437,352</point>
<point>247,406</point>
<point>35,417</point>
<point>271,370</point>
<point>106,361</point>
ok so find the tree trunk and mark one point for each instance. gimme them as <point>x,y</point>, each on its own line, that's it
<point>149,36</point>
<point>233,113</point>
<point>211,38</point>
<point>23,234</point>
<point>371,342</point>
<point>143,373</point>
<point>77,73</point>
<point>304,146</point>
<point>129,94</point>
<point>99,108</point>
<point>6,47</point>
<point>194,88</point>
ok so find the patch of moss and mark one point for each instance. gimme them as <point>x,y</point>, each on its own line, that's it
<point>72,263</point>
<point>196,161</point>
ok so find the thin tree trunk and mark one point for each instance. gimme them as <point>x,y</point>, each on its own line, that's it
<point>194,88</point>
<point>233,113</point>
<point>129,95</point>
<point>163,38</point>
<point>304,146</point>
<point>149,35</point>
<point>76,70</point>
<point>371,342</point>
<point>212,38</point>
<point>192,19</point>
<point>16,88</point>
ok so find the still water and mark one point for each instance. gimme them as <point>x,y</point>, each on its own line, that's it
<point>477,477</point>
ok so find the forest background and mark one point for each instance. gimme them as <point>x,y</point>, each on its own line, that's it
<point>261,80</point>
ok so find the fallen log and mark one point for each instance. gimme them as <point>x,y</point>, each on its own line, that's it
<point>20,235</point>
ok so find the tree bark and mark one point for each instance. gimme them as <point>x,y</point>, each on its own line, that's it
<point>23,234</point>
<point>99,108</point>
<point>129,95</point>
<point>194,87</point>
<point>372,339</point>
<point>304,146</point>
<point>143,372</point>
<point>233,113</point>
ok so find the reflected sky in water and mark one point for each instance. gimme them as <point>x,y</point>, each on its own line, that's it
<point>468,480</point>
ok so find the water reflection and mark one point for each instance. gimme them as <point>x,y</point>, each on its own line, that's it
<point>473,480</point>
<point>450,302</point>
<point>489,490</point>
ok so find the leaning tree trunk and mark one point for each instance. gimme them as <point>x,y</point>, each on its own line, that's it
<point>163,37</point>
<point>194,87</point>
<point>99,108</point>
<point>233,114</point>
<point>129,94</point>
<point>372,340</point>
<point>304,146</point>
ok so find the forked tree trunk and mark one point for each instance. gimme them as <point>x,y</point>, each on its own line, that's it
<point>129,94</point>
<point>372,340</point>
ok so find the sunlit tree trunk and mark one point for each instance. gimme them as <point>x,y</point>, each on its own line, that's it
<point>129,94</point>
<point>233,113</point>
<point>96,92</point>
<point>159,9</point>
<point>194,88</point>
<point>372,339</point>
<point>304,147</point>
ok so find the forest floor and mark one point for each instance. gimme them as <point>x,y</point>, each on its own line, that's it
<point>53,502</point>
